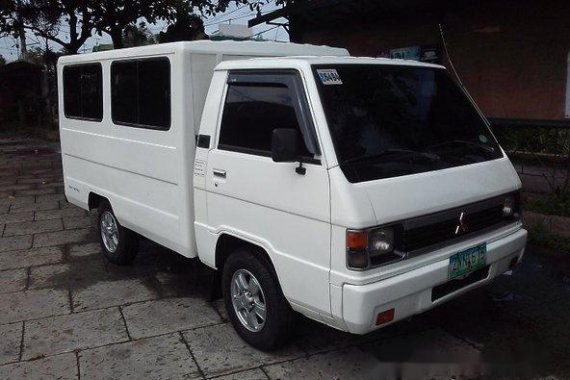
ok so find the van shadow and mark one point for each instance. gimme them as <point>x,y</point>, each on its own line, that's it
<point>517,325</point>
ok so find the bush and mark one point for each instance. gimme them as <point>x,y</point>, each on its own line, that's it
<point>555,203</point>
<point>540,236</point>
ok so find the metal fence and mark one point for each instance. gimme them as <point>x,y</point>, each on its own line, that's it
<point>540,151</point>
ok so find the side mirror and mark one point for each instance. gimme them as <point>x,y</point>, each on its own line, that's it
<point>284,145</point>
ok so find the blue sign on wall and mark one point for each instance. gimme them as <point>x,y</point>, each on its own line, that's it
<point>412,53</point>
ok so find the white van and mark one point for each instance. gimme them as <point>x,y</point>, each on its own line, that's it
<point>355,191</point>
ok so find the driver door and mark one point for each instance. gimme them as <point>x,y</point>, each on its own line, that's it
<point>269,203</point>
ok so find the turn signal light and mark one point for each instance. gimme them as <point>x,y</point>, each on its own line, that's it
<point>357,240</point>
<point>385,317</point>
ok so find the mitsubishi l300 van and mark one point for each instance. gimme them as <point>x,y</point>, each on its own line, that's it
<point>355,191</point>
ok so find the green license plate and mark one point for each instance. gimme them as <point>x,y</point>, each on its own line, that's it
<point>467,261</point>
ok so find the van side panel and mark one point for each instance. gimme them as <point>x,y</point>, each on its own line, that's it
<point>202,70</point>
<point>139,170</point>
<point>147,174</point>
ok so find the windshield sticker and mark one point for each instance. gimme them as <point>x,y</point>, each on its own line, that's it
<point>329,76</point>
<point>483,139</point>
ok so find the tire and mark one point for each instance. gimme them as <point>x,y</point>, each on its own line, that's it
<point>274,330</point>
<point>119,244</point>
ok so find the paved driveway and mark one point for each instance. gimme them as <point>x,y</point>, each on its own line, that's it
<point>67,314</point>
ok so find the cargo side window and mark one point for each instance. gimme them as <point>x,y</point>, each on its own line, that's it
<point>252,111</point>
<point>140,93</point>
<point>83,92</point>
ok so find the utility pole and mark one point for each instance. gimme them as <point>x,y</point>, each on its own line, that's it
<point>295,33</point>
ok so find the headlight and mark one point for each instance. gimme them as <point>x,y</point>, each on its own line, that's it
<point>511,206</point>
<point>381,241</point>
<point>508,206</point>
<point>369,247</point>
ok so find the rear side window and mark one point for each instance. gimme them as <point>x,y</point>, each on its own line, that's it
<point>252,111</point>
<point>83,92</point>
<point>140,93</point>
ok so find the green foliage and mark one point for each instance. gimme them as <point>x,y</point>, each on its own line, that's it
<point>188,27</point>
<point>113,16</point>
<point>553,141</point>
<point>45,18</point>
<point>137,35</point>
<point>555,203</point>
<point>81,18</point>
<point>540,236</point>
<point>545,150</point>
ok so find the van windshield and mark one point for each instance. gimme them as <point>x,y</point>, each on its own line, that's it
<point>389,121</point>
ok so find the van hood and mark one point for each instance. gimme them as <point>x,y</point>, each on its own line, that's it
<point>378,202</point>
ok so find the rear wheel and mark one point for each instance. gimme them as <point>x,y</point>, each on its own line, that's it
<point>119,244</point>
<point>256,306</point>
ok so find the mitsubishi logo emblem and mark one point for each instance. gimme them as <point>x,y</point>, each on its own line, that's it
<point>463,226</point>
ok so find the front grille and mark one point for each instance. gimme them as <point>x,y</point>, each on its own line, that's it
<point>441,227</point>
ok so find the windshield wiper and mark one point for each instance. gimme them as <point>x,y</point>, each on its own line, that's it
<point>432,157</point>
<point>484,147</point>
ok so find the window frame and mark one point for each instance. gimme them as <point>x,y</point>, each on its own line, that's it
<point>291,79</point>
<point>137,61</point>
<point>81,65</point>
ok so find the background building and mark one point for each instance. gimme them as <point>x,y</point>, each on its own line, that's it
<point>511,55</point>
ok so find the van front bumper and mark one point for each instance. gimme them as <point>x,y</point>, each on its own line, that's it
<point>412,292</point>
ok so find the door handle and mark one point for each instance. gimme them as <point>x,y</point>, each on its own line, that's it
<point>220,173</point>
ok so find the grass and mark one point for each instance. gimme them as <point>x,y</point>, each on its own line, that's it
<point>540,236</point>
<point>556,203</point>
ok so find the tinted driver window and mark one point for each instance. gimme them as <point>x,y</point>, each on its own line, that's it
<point>251,112</point>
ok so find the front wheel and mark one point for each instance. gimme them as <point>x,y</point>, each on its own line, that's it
<point>119,244</point>
<point>256,306</point>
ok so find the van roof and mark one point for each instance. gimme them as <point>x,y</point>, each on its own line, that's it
<point>294,61</point>
<point>250,48</point>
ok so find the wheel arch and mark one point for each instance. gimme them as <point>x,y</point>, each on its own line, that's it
<point>228,243</point>
<point>94,200</point>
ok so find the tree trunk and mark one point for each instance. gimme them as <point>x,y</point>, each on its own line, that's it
<point>22,39</point>
<point>117,37</point>
<point>72,48</point>
<point>21,32</point>
<point>23,47</point>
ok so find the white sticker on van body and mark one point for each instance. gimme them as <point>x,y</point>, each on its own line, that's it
<point>329,76</point>
<point>199,168</point>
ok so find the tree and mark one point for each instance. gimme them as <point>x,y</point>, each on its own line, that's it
<point>47,18</point>
<point>187,27</point>
<point>137,35</point>
<point>2,60</point>
<point>113,16</point>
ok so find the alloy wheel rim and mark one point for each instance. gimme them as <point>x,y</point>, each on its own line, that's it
<point>109,231</point>
<point>248,300</point>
